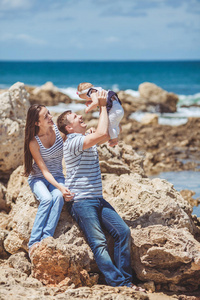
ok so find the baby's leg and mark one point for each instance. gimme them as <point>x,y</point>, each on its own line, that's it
<point>115,115</point>
<point>113,142</point>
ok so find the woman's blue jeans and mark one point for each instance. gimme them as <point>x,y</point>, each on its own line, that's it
<point>51,204</point>
<point>94,214</point>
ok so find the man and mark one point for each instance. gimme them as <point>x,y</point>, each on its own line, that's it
<point>88,208</point>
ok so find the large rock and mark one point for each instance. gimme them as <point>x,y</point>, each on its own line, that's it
<point>3,203</point>
<point>47,94</point>
<point>121,159</point>
<point>164,101</point>
<point>14,106</point>
<point>164,249</point>
<point>15,284</point>
<point>165,148</point>
<point>15,183</point>
<point>21,219</point>
<point>131,103</point>
<point>3,253</point>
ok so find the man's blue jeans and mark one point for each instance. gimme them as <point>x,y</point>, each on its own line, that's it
<point>94,214</point>
<point>51,204</point>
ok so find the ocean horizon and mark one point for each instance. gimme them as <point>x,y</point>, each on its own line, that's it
<point>178,76</point>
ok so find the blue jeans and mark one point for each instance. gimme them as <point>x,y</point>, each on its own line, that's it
<point>94,214</point>
<point>51,204</point>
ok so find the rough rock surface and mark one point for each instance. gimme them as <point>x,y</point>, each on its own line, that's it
<point>3,235</point>
<point>165,148</point>
<point>3,204</point>
<point>164,101</point>
<point>47,94</point>
<point>17,285</point>
<point>14,105</point>
<point>150,119</point>
<point>164,249</point>
<point>120,160</point>
<point>15,183</point>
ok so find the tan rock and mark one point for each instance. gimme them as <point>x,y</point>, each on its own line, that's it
<point>18,286</point>
<point>165,102</point>
<point>121,159</point>
<point>3,203</point>
<point>150,119</point>
<point>22,217</point>
<point>15,184</point>
<point>188,195</point>
<point>20,262</point>
<point>3,253</point>
<point>14,106</point>
<point>48,86</point>
<point>161,226</point>
<point>4,220</point>
<point>68,263</point>
<point>164,248</point>
<point>47,94</point>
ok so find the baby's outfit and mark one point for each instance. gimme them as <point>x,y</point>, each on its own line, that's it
<point>114,109</point>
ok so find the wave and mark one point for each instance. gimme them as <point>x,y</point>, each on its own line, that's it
<point>174,119</point>
<point>187,100</point>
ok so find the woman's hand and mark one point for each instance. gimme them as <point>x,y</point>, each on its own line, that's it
<point>91,130</point>
<point>67,195</point>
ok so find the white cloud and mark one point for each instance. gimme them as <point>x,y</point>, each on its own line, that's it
<point>7,5</point>
<point>23,38</point>
<point>112,39</point>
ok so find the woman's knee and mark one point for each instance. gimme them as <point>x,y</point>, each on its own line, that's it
<point>58,197</point>
<point>46,201</point>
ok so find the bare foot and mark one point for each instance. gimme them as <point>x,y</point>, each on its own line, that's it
<point>113,142</point>
<point>32,249</point>
<point>136,288</point>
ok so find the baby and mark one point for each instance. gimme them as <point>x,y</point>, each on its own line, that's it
<point>115,111</point>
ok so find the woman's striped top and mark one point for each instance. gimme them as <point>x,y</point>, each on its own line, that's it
<point>52,157</point>
<point>83,171</point>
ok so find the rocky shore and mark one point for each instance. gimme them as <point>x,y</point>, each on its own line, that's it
<point>165,235</point>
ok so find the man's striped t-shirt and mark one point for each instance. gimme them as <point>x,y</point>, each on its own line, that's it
<point>83,171</point>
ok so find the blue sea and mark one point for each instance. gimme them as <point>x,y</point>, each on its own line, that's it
<point>179,77</point>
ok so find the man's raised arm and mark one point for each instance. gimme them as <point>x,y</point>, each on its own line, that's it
<point>102,129</point>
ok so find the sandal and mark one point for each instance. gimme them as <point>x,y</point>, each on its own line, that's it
<point>137,288</point>
<point>32,249</point>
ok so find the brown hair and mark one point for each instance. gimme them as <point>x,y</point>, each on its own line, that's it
<point>62,121</point>
<point>83,86</point>
<point>30,131</point>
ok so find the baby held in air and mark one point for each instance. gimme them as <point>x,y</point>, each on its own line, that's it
<point>115,110</point>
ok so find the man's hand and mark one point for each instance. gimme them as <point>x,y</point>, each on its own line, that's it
<point>102,98</point>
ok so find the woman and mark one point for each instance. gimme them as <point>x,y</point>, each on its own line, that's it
<point>44,144</point>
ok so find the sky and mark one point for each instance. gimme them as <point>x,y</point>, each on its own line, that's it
<point>99,30</point>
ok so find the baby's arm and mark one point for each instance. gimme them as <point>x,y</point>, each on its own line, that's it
<point>94,104</point>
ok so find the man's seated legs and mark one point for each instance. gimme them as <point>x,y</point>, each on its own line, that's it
<point>87,213</point>
<point>120,231</point>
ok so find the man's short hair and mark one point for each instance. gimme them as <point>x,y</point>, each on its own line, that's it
<point>62,121</point>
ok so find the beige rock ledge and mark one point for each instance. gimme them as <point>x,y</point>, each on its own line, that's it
<point>164,249</point>
<point>13,109</point>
